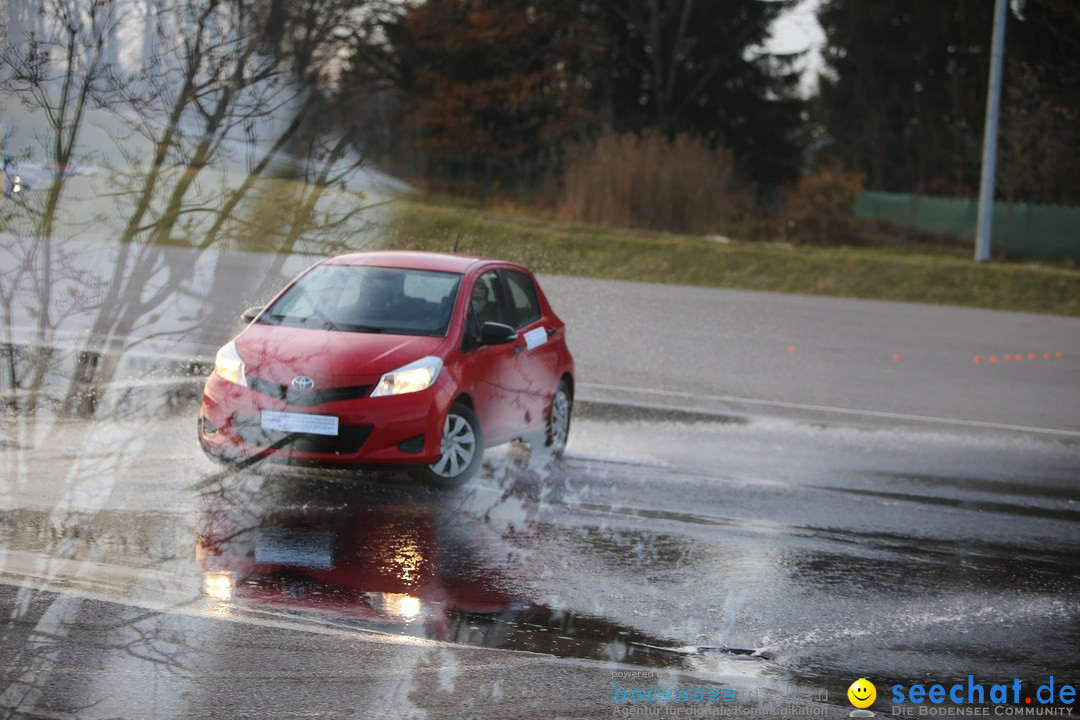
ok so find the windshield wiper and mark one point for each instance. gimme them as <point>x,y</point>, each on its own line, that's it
<point>351,327</point>
<point>327,323</point>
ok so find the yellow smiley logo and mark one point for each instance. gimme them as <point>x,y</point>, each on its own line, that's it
<point>862,693</point>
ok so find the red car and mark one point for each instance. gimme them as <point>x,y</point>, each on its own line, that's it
<point>393,358</point>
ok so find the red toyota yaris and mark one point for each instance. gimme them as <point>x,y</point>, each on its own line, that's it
<point>393,358</point>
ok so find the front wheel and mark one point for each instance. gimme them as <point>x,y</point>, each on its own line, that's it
<point>461,451</point>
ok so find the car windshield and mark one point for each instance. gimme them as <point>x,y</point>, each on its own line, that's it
<point>361,298</point>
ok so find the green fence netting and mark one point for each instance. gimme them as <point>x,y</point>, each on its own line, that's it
<point>1021,230</point>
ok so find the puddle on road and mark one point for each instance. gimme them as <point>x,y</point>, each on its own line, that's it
<point>1048,513</point>
<point>662,565</point>
<point>415,564</point>
<point>360,557</point>
<point>280,541</point>
<point>643,414</point>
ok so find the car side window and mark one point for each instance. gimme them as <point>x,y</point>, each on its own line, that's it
<point>523,297</point>
<point>487,303</point>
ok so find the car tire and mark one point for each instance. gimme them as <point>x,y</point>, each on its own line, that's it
<point>462,449</point>
<point>212,455</point>
<point>558,420</point>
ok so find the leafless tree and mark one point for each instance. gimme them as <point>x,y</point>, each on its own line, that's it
<point>59,71</point>
<point>222,120</point>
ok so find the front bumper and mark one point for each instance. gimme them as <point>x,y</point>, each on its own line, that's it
<point>397,430</point>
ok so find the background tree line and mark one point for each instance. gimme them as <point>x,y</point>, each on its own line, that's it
<point>524,100</point>
<point>500,97</point>
<point>903,99</point>
<point>596,109</point>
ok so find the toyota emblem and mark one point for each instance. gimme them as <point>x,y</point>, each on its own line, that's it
<point>303,383</point>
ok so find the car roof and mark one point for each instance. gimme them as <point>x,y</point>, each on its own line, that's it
<point>444,262</point>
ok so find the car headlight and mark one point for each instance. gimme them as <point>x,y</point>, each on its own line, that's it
<point>228,364</point>
<point>414,377</point>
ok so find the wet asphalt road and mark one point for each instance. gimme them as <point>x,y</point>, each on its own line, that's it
<point>766,555</point>
<point>730,351</point>
<point>729,514</point>
<point>795,355</point>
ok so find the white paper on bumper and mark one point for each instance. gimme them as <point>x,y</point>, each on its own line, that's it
<point>299,422</point>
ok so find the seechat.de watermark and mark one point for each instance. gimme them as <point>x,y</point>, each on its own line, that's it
<point>970,698</point>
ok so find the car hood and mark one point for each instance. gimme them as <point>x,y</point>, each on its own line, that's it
<point>285,352</point>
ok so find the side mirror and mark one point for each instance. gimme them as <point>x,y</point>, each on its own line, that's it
<point>251,313</point>
<point>493,333</point>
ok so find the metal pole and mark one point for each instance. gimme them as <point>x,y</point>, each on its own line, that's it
<point>7,162</point>
<point>990,137</point>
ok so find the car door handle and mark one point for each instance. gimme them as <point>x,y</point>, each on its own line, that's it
<point>519,349</point>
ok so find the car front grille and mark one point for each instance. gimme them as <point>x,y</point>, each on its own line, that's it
<point>350,438</point>
<point>308,398</point>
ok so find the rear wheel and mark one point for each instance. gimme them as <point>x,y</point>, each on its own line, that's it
<point>558,422</point>
<point>461,452</point>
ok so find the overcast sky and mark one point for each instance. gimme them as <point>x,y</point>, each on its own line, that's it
<point>798,30</point>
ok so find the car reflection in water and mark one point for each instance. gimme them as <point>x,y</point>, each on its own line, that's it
<point>383,562</point>
<point>408,563</point>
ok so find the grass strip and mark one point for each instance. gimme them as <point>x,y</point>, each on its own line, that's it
<point>871,273</point>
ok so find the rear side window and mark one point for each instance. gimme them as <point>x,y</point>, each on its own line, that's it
<point>523,297</point>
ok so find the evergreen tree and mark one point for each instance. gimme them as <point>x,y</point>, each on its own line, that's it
<point>487,89</point>
<point>699,68</point>
<point>494,90</point>
<point>1040,123</point>
<point>903,97</point>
